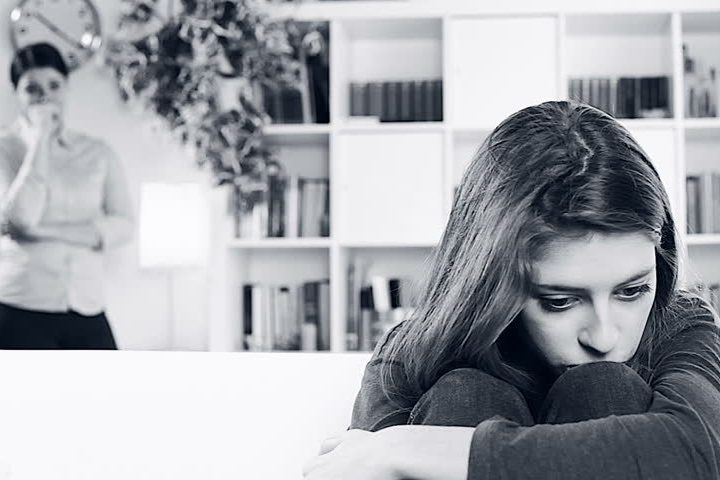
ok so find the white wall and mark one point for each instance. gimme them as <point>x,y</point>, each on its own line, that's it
<point>138,301</point>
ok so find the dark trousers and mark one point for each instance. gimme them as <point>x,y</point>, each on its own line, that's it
<point>22,329</point>
<point>466,397</point>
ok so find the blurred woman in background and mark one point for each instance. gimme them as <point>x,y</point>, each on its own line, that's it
<point>63,202</point>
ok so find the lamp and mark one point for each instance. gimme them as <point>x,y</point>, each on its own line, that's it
<point>173,229</point>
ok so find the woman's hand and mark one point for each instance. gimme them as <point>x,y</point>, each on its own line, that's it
<point>39,123</point>
<point>420,452</point>
<point>355,455</point>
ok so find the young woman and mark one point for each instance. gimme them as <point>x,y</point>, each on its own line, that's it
<point>551,338</point>
<point>63,201</point>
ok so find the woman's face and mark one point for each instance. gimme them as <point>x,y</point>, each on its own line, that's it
<point>591,299</point>
<point>41,85</point>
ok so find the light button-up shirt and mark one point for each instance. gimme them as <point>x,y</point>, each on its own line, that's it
<point>84,184</point>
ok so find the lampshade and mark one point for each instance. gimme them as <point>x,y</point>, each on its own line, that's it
<point>174,225</point>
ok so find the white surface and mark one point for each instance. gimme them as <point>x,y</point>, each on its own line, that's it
<point>500,65</point>
<point>169,415</point>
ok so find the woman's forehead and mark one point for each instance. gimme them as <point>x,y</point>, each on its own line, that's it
<point>597,260</point>
<point>42,73</point>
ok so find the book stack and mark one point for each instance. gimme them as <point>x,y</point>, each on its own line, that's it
<point>406,101</point>
<point>286,317</point>
<point>703,202</point>
<point>374,307</point>
<point>702,87</point>
<point>290,207</point>
<point>625,97</point>
<point>711,293</point>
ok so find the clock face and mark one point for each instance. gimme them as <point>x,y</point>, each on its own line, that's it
<point>71,26</point>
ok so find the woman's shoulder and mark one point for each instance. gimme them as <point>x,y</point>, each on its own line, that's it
<point>689,309</point>
<point>380,352</point>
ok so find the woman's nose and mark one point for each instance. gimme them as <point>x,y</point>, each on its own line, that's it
<point>600,333</point>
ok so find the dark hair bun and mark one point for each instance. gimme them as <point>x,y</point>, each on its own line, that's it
<point>37,55</point>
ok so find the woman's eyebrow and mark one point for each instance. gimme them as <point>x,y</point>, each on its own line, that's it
<point>565,288</point>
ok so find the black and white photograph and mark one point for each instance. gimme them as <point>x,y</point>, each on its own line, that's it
<point>359,240</point>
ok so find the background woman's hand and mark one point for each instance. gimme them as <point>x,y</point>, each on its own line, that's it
<point>354,455</point>
<point>17,234</point>
<point>39,123</point>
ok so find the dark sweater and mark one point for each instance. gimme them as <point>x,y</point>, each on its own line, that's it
<point>677,438</point>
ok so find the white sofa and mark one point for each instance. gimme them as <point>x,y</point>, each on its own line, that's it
<point>170,415</point>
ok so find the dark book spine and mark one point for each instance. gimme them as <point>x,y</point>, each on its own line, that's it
<point>418,103</point>
<point>311,299</point>
<point>439,100</point>
<point>664,95</point>
<point>405,102</point>
<point>247,314</point>
<point>394,285</point>
<point>376,92</point>
<point>367,316</point>
<point>428,100</point>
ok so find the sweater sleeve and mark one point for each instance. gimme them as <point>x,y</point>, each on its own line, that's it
<point>373,410</point>
<point>678,437</point>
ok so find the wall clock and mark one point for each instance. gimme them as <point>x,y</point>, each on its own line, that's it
<point>72,26</point>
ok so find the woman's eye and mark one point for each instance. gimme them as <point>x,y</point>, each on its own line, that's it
<point>32,89</point>
<point>632,293</point>
<point>556,304</point>
<point>54,85</point>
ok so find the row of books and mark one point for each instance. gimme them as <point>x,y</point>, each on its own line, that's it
<point>710,292</point>
<point>374,307</point>
<point>292,206</point>
<point>406,101</point>
<point>624,97</point>
<point>286,317</point>
<point>703,202</point>
<point>702,87</point>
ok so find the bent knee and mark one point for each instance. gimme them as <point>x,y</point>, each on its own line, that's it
<point>600,373</point>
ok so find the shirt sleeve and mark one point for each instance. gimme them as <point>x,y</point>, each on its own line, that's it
<point>23,189</point>
<point>372,409</point>
<point>678,437</point>
<point>116,225</point>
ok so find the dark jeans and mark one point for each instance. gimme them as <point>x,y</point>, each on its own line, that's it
<point>467,397</point>
<point>22,329</point>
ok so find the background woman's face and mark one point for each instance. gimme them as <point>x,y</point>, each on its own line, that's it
<point>41,85</point>
<point>591,299</point>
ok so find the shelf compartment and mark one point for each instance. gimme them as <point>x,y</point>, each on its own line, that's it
<point>701,36</point>
<point>302,157</point>
<point>390,187</point>
<point>368,52</point>
<point>380,291</point>
<point>488,84</point>
<point>591,52</point>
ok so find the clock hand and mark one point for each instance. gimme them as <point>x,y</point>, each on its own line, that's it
<point>53,28</point>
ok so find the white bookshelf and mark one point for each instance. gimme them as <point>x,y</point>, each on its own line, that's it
<point>391,184</point>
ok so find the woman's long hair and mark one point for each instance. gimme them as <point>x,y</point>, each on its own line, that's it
<point>555,170</point>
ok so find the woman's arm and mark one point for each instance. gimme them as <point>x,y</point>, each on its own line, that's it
<point>83,234</point>
<point>372,409</point>
<point>23,190</point>
<point>116,225</point>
